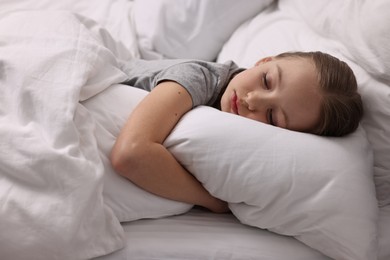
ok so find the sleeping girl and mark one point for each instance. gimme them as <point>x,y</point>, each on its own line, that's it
<point>310,92</point>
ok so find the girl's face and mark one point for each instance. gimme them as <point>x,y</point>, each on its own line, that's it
<point>279,91</point>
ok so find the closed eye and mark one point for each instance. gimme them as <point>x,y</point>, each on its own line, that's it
<point>265,81</point>
<point>270,117</point>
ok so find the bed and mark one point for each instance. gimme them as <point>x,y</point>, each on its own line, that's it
<point>291,195</point>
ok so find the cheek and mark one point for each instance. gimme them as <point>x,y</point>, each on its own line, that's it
<point>241,81</point>
<point>257,116</point>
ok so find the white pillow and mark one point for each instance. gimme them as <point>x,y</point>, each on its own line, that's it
<point>363,28</point>
<point>319,190</point>
<point>365,33</point>
<point>302,26</point>
<point>187,28</point>
<point>115,16</point>
<point>110,110</point>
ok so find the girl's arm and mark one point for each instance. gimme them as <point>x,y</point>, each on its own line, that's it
<point>139,155</point>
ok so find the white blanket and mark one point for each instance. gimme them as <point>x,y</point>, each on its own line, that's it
<point>51,204</point>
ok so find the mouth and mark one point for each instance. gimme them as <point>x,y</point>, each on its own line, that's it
<point>234,102</point>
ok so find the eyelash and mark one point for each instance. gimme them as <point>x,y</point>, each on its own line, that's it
<point>270,117</point>
<point>265,82</point>
<point>269,111</point>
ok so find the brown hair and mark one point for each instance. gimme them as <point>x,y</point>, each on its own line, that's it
<point>342,107</point>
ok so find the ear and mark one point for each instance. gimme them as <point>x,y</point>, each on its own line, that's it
<point>264,60</point>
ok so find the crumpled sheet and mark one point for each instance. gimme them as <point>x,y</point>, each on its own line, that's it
<point>51,203</point>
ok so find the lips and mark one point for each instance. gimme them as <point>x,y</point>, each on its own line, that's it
<point>234,102</point>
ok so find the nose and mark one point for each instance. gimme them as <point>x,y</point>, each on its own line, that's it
<point>256,101</point>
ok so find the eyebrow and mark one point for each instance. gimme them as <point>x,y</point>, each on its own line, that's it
<point>280,80</point>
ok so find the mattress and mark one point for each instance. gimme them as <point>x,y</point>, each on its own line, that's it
<point>203,235</point>
<point>199,234</point>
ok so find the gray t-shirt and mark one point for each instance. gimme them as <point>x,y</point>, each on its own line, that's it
<point>203,80</point>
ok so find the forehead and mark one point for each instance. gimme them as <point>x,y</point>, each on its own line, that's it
<point>300,89</point>
<point>298,68</point>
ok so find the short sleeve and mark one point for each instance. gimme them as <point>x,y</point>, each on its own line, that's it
<point>203,80</point>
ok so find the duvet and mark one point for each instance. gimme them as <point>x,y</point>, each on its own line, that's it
<point>51,174</point>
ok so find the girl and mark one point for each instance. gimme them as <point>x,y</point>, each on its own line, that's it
<point>309,92</point>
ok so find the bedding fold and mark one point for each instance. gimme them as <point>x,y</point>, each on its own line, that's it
<point>51,175</point>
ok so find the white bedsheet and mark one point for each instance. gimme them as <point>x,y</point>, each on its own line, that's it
<point>51,203</point>
<point>203,235</point>
<point>384,233</point>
